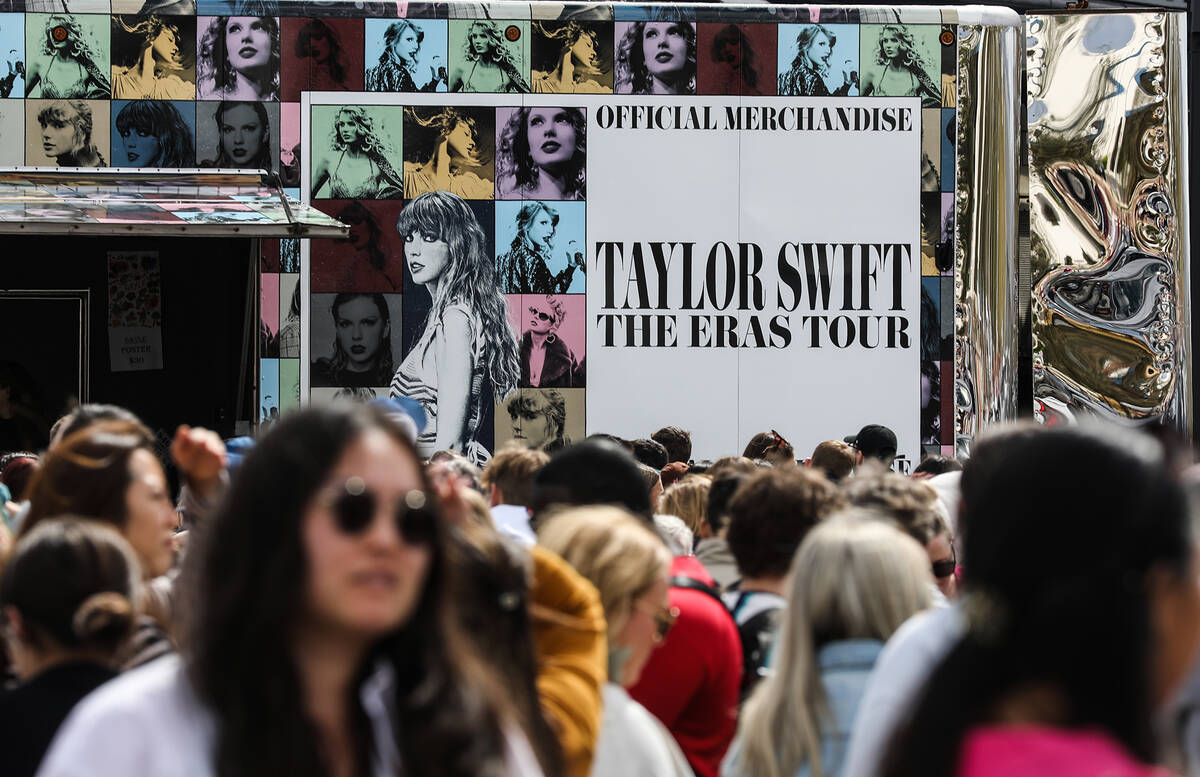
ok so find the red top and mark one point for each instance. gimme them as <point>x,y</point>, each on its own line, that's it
<point>1041,751</point>
<point>691,681</point>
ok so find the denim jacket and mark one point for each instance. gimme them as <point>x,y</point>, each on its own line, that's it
<point>845,667</point>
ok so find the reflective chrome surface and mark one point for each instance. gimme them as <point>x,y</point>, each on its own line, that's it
<point>1108,208</point>
<point>985,272</point>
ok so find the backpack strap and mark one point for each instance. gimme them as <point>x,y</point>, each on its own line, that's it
<point>679,581</point>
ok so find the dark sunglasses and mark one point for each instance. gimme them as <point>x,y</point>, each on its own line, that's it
<point>945,567</point>
<point>354,508</point>
<point>541,316</point>
<point>664,620</point>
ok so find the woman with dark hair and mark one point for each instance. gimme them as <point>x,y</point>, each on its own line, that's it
<point>1061,665</point>
<point>73,71</point>
<point>657,58</point>
<point>362,169</point>
<point>68,597</point>
<point>810,68</point>
<point>367,267</point>
<point>492,68</point>
<point>904,73</point>
<point>238,59</point>
<point>67,134</point>
<point>466,354</point>
<point>525,269</point>
<point>543,155</point>
<point>575,64</point>
<point>153,134</point>
<point>734,54</point>
<point>546,361</point>
<point>362,343</point>
<point>322,637</point>
<point>243,136</point>
<point>147,61</point>
<point>445,165</point>
<point>397,68</point>
<point>317,41</point>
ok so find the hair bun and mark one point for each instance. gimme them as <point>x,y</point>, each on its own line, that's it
<point>103,618</point>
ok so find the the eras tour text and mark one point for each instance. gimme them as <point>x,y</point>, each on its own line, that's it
<point>824,295</point>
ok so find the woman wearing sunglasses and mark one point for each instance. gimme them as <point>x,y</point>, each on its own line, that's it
<point>854,580</point>
<point>629,565</point>
<point>320,639</point>
<point>547,361</point>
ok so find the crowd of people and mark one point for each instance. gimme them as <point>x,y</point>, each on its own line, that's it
<point>324,601</point>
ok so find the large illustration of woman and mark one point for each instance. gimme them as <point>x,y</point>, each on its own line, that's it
<point>903,73</point>
<point>525,268</point>
<point>238,59</point>
<point>547,361</point>
<point>153,134</point>
<point>449,162</point>
<point>810,69</point>
<point>148,61</point>
<point>466,354</point>
<point>243,136</point>
<point>489,64</point>
<point>67,134</point>
<point>72,71</point>
<point>362,343</point>
<point>574,67</point>
<point>397,68</point>
<point>357,166</point>
<point>543,155</point>
<point>657,58</point>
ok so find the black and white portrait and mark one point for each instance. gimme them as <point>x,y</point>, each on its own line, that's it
<point>238,58</point>
<point>656,57</point>
<point>237,134</point>
<point>355,339</point>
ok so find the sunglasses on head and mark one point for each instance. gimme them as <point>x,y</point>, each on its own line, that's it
<point>540,314</point>
<point>354,507</point>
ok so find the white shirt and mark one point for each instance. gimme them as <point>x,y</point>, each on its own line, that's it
<point>634,743</point>
<point>149,723</point>
<point>512,521</point>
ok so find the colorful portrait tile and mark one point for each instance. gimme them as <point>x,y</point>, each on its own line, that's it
<point>571,57</point>
<point>736,58</point>
<point>541,153</point>
<point>902,60</point>
<point>289,385</point>
<point>289,145</point>
<point>371,259</point>
<point>153,58</point>
<point>406,55</point>
<point>163,7</point>
<point>464,164</point>
<point>945,257</point>
<point>268,255</point>
<point>553,340</point>
<point>321,55</point>
<point>289,255</point>
<point>541,247</point>
<point>67,56</point>
<point>354,340</point>
<point>67,6</point>
<point>12,55</point>
<point>818,60</point>
<point>540,418</point>
<point>56,133</point>
<point>268,390</point>
<point>233,134</point>
<point>237,58</point>
<point>289,316</point>
<point>488,55</point>
<point>655,57</point>
<point>268,310</point>
<point>227,7</point>
<point>153,133</point>
<point>931,150</point>
<point>356,152</point>
<point>931,232</point>
<point>947,141</point>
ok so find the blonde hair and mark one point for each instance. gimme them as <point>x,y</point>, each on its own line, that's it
<point>855,576</point>
<point>615,551</point>
<point>688,499</point>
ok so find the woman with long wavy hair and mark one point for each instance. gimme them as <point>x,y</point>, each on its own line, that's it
<point>810,67</point>
<point>525,267</point>
<point>657,58</point>
<point>397,68</point>
<point>573,64</point>
<point>448,162</point>
<point>903,73</point>
<point>238,59</point>
<point>361,169</point>
<point>73,71</point>
<point>491,66</point>
<point>543,155</point>
<point>327,71</point>
<point>321,637</point>
<point>466,354</point>
<point>147,61</point>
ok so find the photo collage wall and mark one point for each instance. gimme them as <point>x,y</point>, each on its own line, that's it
<point>179,84</point>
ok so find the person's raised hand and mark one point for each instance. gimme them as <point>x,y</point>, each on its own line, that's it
<point>200,456</point>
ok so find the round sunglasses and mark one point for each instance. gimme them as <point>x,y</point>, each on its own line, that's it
<point>353,506</point>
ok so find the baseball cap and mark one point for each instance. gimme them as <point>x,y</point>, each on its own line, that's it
<point>874,440</point>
